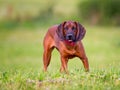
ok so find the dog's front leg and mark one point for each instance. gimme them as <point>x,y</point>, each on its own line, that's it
<point>64,62</point>
<point>85,63</point>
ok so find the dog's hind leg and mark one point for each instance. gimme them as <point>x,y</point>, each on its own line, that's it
<point>47,57</point>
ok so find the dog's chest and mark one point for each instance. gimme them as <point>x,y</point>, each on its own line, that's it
<point>70,52</point>
<point>66,50</point>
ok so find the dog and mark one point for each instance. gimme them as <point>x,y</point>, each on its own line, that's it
<point>66,38</point>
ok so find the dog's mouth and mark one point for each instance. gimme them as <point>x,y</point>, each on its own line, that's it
<point>70,40</point>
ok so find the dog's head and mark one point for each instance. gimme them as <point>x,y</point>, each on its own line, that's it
<point>71,31</point>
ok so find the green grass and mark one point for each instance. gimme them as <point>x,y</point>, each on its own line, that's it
<point>21,61</point>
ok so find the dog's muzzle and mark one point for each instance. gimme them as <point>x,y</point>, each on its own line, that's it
<point>70,37</point>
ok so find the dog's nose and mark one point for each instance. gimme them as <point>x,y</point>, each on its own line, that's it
<point>70,36</point>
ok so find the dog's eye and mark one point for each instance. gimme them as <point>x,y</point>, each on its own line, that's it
<point>65,28</point>
<point>73,28</point>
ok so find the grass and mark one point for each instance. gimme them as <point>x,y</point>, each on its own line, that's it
<point>21,61</point>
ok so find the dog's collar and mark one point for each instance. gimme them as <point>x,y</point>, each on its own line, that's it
<point>69,43</point>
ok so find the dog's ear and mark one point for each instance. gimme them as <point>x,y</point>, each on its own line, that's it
<point>59,30</point>
<point>80,31</point>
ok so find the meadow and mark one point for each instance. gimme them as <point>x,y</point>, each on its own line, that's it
<point>21,66</point>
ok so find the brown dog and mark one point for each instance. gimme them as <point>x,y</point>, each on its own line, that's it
<point>66,38</point>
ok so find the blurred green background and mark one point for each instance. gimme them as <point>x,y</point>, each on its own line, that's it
<point>23,24</point>
<point>14,13</point>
